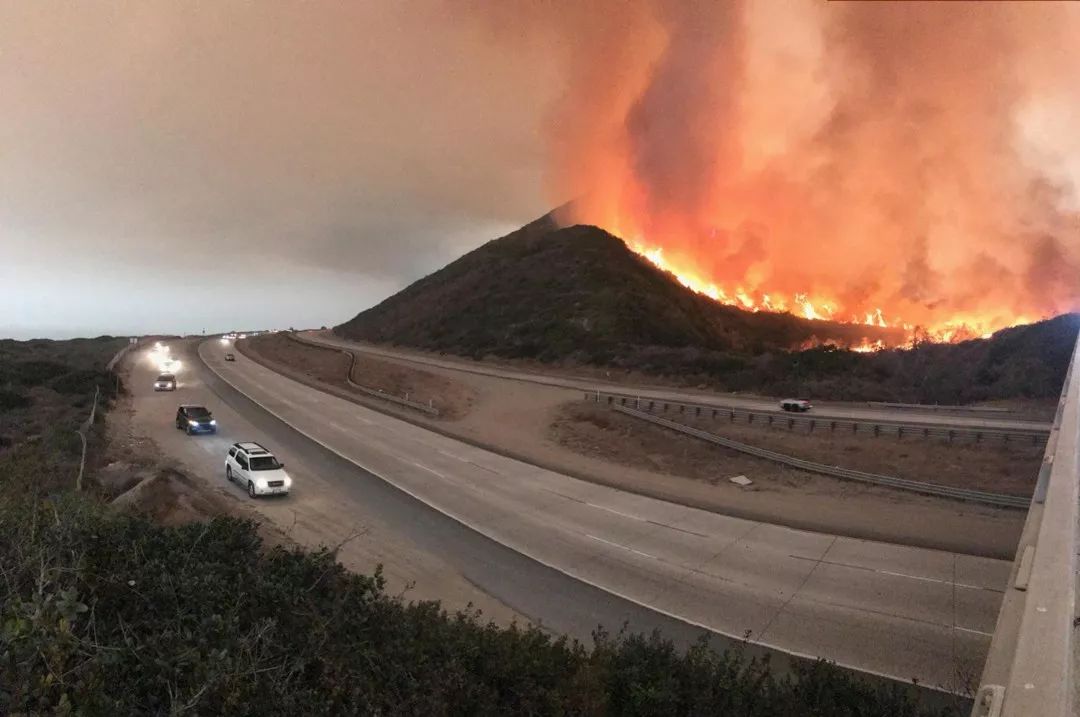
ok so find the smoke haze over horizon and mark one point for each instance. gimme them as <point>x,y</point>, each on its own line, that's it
<point>174,167</point>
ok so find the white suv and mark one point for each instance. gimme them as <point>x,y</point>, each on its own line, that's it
<point>254,467</point>
<point>795,404</point>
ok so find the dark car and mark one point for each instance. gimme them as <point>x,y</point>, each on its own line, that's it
<point>195,419</point>
<point>230,357</point>
<point>165,382</point>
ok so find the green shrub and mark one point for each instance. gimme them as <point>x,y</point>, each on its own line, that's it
<point>113,615</point>
<point>10,400</point>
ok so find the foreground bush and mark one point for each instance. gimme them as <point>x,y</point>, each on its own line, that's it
<point>113,615</point>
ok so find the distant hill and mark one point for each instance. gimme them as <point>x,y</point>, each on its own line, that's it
<point>578,295</point>
<point>575,293</point>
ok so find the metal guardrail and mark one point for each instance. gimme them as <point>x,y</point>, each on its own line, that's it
<point>937,407</point>
<point>84,427</point>
<point>428,408</point>
<point>974,496</point>
<point>1031,667</point>
<point>812,423</point>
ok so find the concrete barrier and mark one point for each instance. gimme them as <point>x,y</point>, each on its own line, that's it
<point>1031,667</point>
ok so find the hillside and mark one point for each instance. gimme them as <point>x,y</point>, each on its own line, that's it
<point>576,294</point>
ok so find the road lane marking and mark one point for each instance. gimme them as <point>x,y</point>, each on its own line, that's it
<point>429,470</point>
<point>626,515</point>
<point>972,630</point>
<point>882,571</point>
<point>616,545</point>
<point>936,580</point>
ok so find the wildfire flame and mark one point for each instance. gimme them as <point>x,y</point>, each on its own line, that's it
<point>825,308</point>
<point>876,164</point>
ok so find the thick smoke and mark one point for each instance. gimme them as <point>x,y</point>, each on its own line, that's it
<point>869,155</point>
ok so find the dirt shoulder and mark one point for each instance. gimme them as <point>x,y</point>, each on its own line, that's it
<point>525,420</point>
<point>452,398</point>
<point>599,431</point>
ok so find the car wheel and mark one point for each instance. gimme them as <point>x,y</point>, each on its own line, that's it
<point>228,472</point>
<point>251,489</point>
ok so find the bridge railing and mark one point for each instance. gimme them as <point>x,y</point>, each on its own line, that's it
<point>1030,669</point>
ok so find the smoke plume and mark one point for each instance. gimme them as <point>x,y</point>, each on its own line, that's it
<point>906,157</point>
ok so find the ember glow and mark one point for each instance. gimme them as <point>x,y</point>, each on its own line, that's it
<point>960,328</point>
<point>900,165</point>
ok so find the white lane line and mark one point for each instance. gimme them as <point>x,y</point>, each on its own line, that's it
<point>616,512</point>
<point>626,515</point>
<point>429,470</point>
<point>453,455</point>
<point>616,545</point>
<point>934,580</point>
<point>880,571</point>
<point>465,460</point>
<point>977,632</point>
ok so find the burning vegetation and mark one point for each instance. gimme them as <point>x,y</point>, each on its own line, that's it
<point>890,165</point>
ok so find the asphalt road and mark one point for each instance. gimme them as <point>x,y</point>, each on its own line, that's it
<point>572,555</point>
<point>911,417</point>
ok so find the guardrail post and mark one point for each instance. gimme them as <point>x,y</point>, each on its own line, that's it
<point>790,423</point>
<point>951,432</point>
<point>714,414</point>
<point>697,410</point>
<point>770,420</point>
<point>832,426</point>
<point>900,432</point>
<point>812,424</point>
<point>877,430</point>
<point>749,418</point>
<point>665,408</point>
<point>733,415</point>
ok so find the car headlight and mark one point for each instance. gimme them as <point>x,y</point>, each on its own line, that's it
<point>192,423</point>
<point>288,481</point>
<point>262,482</point>
<point>213,422</point>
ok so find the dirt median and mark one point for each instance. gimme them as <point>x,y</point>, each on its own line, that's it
<point>330,366</point>
<point>600,431</point>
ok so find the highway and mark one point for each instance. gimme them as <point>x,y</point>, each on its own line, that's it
<point>825,411</point>
<point>571,555</point>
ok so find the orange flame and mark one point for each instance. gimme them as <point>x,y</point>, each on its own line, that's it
<point>959,328</point>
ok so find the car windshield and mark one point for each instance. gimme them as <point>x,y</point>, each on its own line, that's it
<point>197,412</point>
<point>166,377</point>
<point>264,463</point>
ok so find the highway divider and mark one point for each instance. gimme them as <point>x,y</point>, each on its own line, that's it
<point>972,496</point>
<point>1031,665</point>
<point>812,423</point>
<point>404,401</point>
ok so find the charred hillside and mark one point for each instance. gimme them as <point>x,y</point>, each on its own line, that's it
<point>577,294</point>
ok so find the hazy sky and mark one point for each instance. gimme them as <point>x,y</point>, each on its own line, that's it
<point>179,166</point>
<point>186,165</point>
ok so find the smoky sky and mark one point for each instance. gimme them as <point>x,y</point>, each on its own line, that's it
<point>249,163</point>
<point>175,166</point>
